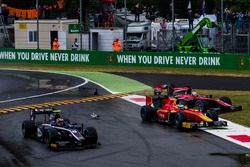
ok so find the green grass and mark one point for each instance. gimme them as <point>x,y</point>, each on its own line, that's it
<point>113,82</point>
<point>121,84</point>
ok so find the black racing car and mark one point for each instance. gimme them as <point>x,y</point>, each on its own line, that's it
<point>58,133</point>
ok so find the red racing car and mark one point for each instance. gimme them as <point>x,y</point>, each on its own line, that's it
<point>177,114</point>
<point>187,97</point>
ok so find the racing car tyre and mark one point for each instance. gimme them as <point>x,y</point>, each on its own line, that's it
<point>147,113</point>
<point>226,100</point>
<point>50,137</point>
<point>201,105</point>
<point>90,135</point>
<point>28,128</point>
<point>213,115</point>
<point>179,118</point>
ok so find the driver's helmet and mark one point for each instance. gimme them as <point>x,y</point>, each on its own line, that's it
<point>181,106</point>
<point>157,91</point>
<point>59,122</point>
<point>57,116</point>
<point>194,93</point>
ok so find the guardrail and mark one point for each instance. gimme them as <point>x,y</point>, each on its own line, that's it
<point>135,59</point>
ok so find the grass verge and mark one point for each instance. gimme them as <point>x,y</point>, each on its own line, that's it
<point>114,83</point>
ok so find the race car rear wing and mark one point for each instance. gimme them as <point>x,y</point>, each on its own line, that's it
<point>48,111</point>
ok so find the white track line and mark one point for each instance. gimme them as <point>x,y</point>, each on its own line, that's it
<point>46,94</point>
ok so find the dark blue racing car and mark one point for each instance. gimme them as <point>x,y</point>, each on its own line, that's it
<point>57,132</point>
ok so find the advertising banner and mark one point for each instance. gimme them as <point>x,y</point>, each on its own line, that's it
<point>136,59</point>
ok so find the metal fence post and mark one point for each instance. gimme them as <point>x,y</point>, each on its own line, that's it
<point>125,28</point>
<point>81,25</point>
<point>248,41</point>
<point>37,23</point>
<point>234,37</point>
<point>158,41</point>
<point>222,27</point>
<point>173,28</point>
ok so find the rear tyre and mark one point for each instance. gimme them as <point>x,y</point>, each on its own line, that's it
<point>90,135</point>
<point>179,119</point>
<point>212,115</point>
<point>147,113</point>
<point>28,128</point>
<point>201,105</point>
<point>226,100</point>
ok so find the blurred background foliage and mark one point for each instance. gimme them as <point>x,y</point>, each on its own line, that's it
<point>162,7</point>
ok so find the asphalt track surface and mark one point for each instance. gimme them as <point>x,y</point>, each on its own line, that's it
<point>125,140</point>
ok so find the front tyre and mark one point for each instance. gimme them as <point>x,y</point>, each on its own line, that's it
<point>90,135</point>
<point>179,119</point>
<point>50,138</point>
<point>212,115</point>
<point>147,113</point>
<point>28,128</point>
